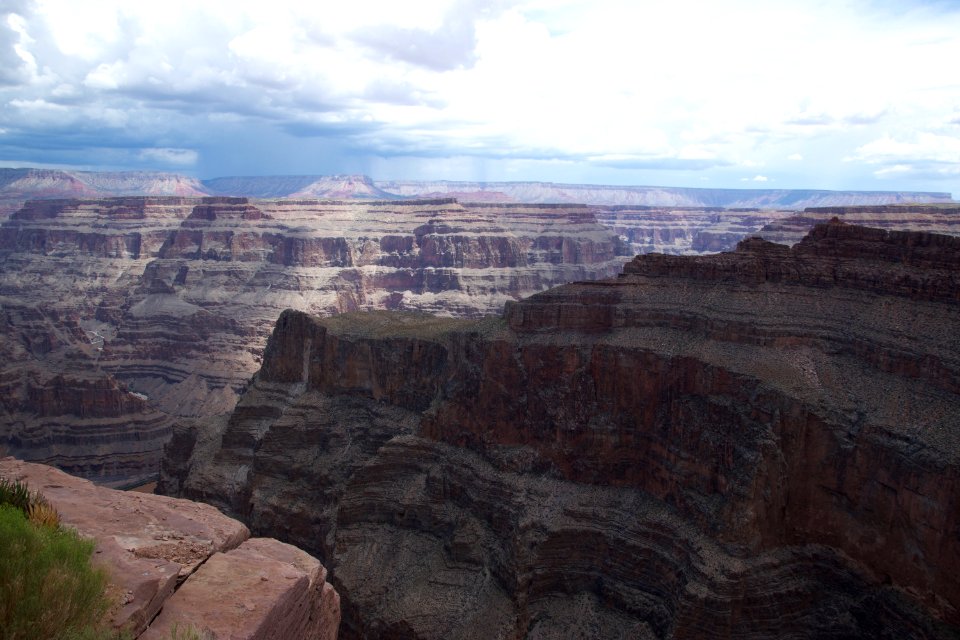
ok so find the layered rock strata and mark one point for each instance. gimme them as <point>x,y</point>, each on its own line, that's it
<point>685,230</point>
<point>757,444</point>
<point>177,564</point>
<point>121,313</point>
<point>634,196</point>
<point>939,218</point>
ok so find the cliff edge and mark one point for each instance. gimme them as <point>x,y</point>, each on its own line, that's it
<point>176,562</point>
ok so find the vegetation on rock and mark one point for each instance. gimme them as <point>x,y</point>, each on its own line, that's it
<point>48,588</point>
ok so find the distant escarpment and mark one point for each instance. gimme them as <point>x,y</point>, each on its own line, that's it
<point>614,195</point>
<point>121,314</point>
<point>19,185</point>
<point>651,219</point>
<point>931,218</point>
<point>760,444</point>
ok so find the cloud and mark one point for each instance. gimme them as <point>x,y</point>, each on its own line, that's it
<point>168,156</point>
<point>17,65</point>
<point>658,163</point>
<point>507,86</point>
<point>812,120</point>
<point>923,147</point>
<point>449,45</point>
<point>756,178</point>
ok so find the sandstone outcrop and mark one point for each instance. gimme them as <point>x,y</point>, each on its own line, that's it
<point>758,444</point>
<point>175,562</point>
<point>121,314</point>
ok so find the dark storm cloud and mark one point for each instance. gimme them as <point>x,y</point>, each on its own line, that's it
<point>327,129</point>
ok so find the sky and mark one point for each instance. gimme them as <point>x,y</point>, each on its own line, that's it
<point>839,94</point>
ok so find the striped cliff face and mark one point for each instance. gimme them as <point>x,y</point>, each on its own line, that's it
<point>172,299</point>
<point>759,443</point>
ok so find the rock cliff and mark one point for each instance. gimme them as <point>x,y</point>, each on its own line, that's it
<point>119,314</point>
<point>932,218</point>
<point>172,562</point>
<point>19,185</point>
<point>611,195</point>
<point>756,444</point>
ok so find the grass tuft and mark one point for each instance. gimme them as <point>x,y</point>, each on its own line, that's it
<point>14,493</point>
<point>42,513</point>
<point>48,588</point>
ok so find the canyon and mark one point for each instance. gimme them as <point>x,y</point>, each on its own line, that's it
<point>754,444</point>
<point>121,314</point>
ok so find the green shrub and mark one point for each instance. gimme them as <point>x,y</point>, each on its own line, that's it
<point>37,509</point>
<point>14,493</point>
<point>48,588</point>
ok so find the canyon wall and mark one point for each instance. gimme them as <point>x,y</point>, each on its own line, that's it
<point>756,444</point>
<point>938,218</point>
<point>610,195</point>
<point>121,314</point>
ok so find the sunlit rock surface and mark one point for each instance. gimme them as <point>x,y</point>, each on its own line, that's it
<point>176,563</point>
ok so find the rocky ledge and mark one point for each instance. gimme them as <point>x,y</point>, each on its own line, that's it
<point>758,444</point>
<point>173,562</point>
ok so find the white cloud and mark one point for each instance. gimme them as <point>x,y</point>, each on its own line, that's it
<point>925,146</point>
<point>603,83</point>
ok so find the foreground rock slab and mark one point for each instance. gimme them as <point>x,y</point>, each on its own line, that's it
<point>150,544</point>
<point>263,589</point>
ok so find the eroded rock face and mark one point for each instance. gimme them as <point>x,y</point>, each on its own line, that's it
<point>685,230</point>
<point>755,444</point>
<point>122,314</point>
<point>175,562</point>
<point>941,218</point>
